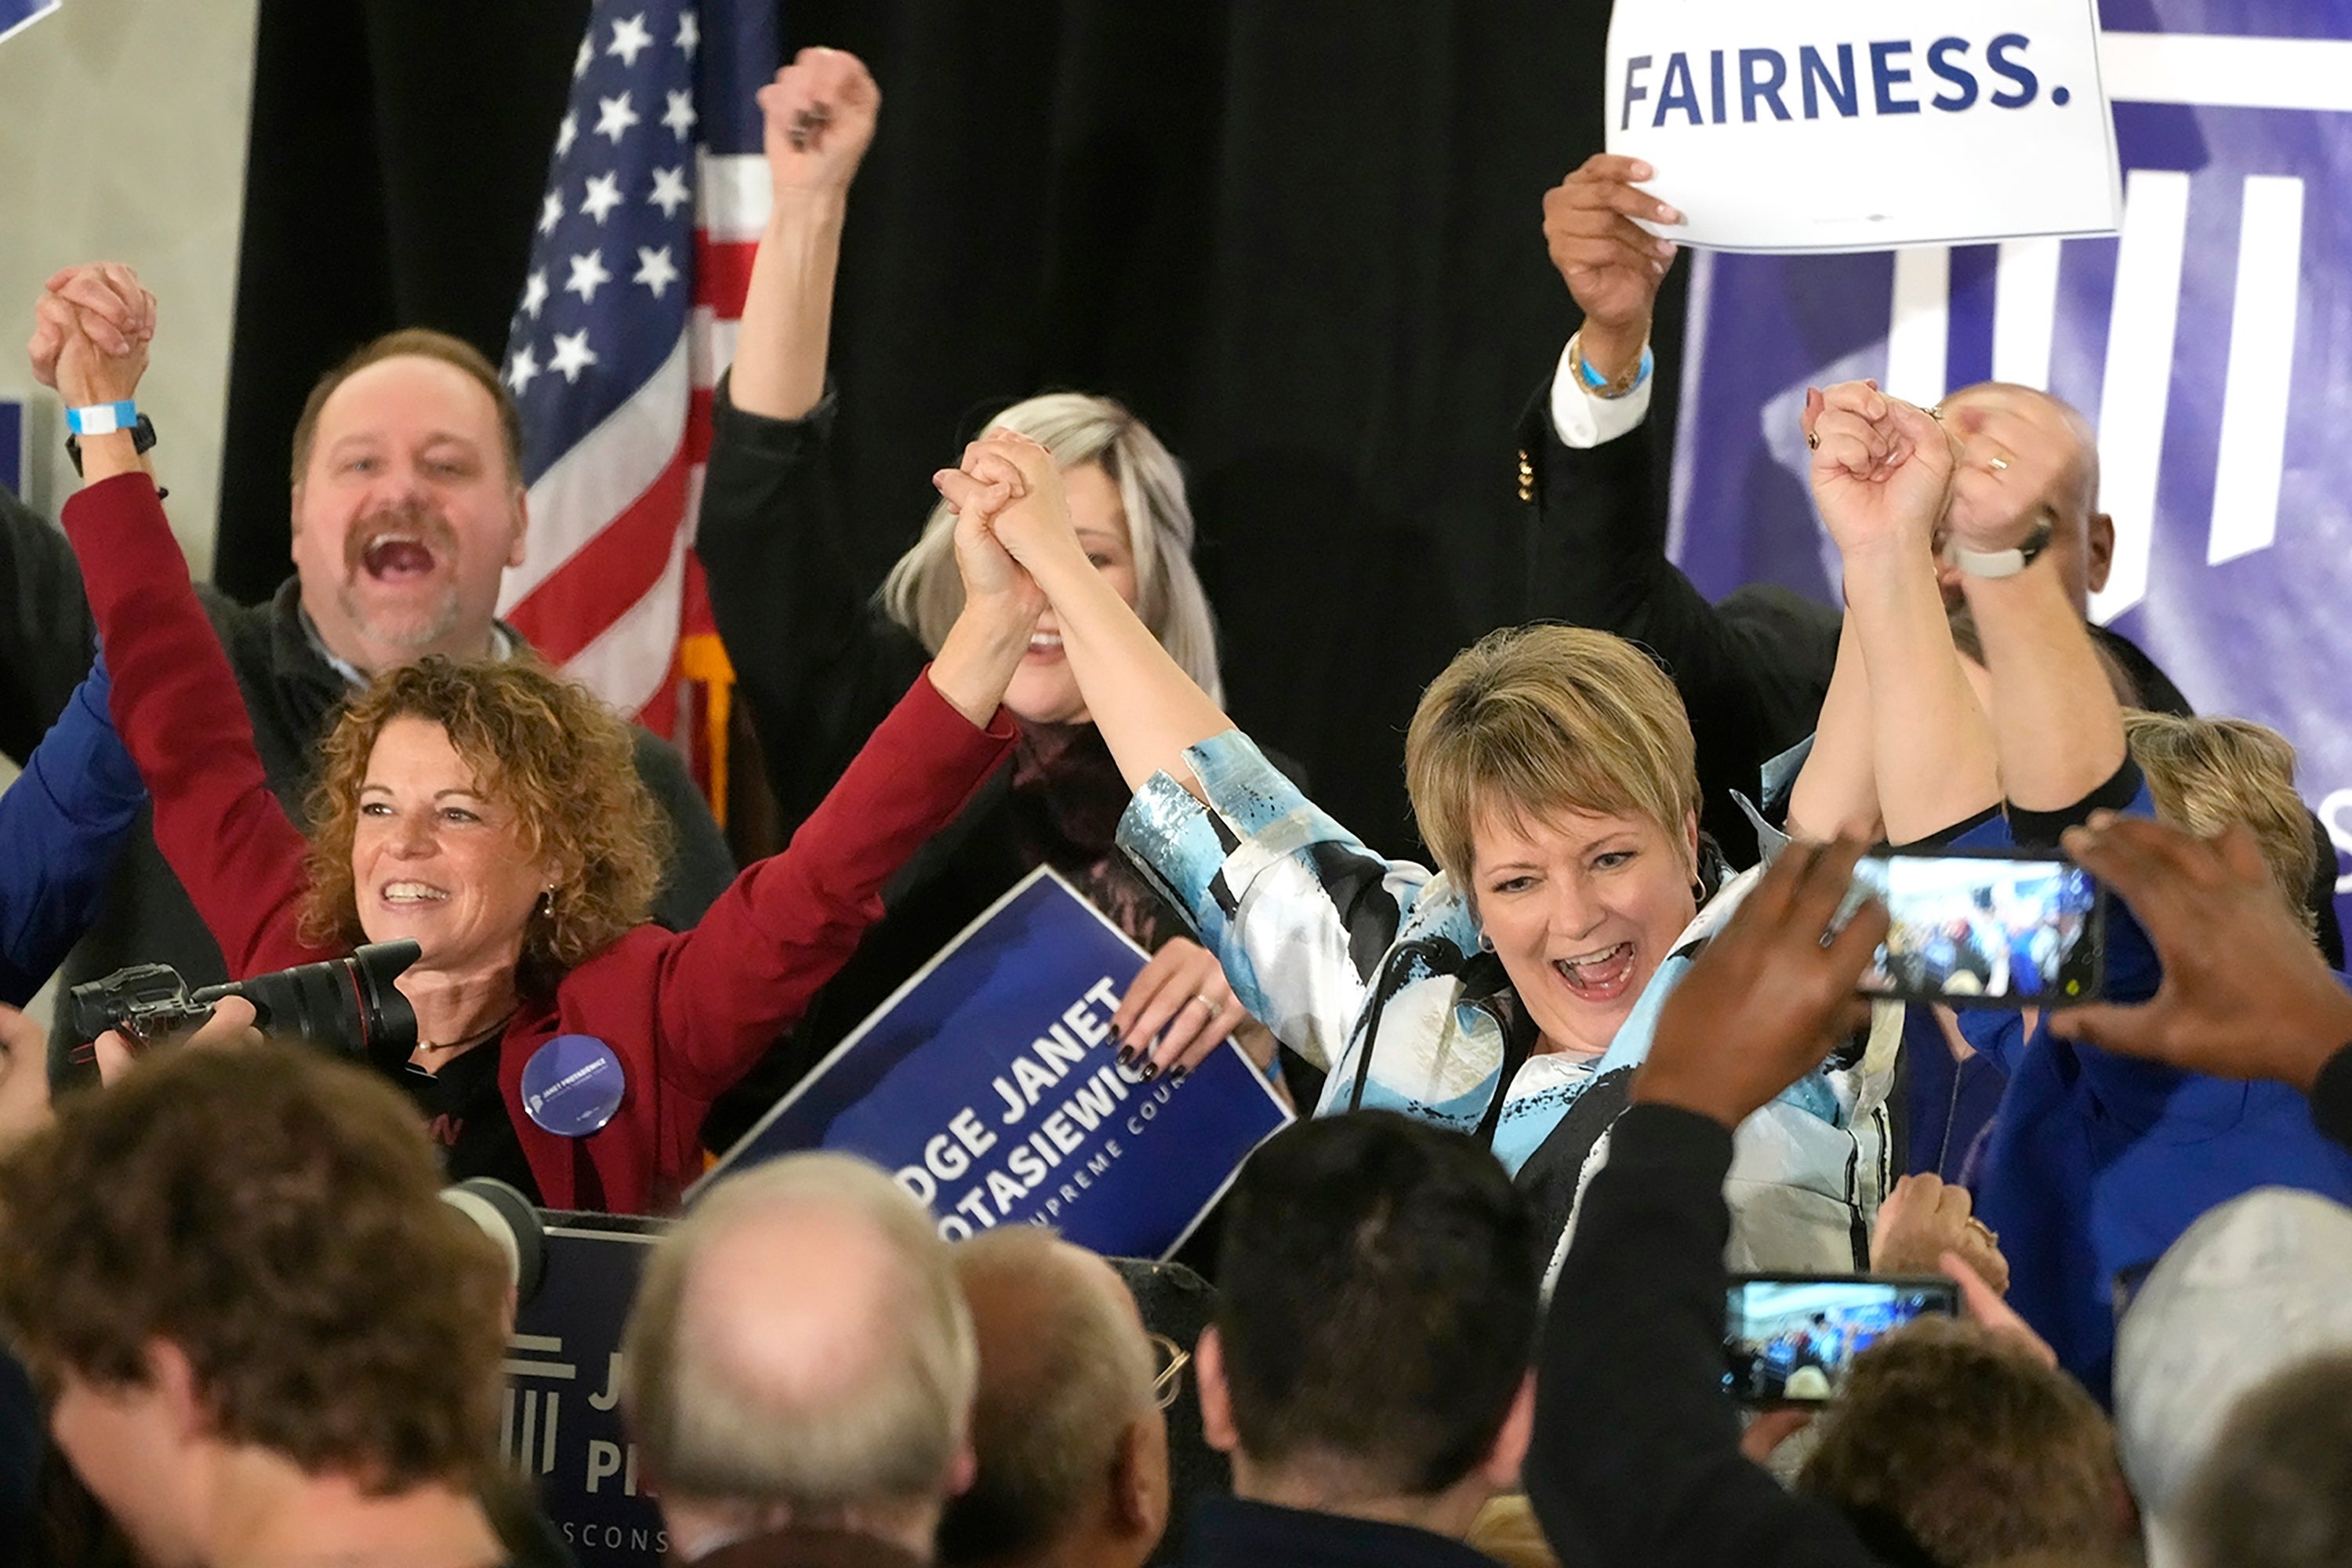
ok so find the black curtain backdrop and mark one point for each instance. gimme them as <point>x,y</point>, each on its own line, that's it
<point>1302,240</point>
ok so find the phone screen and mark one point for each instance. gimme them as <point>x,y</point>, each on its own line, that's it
<point>1973,930</point>
<point>1790,1339</point>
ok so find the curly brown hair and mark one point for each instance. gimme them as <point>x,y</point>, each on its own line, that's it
<point>545,748</point>
<point>247,1204</point>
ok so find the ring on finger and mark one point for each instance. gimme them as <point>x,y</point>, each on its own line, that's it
<point>1205,1000</point>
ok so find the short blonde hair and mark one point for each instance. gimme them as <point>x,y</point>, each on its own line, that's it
<point>2206,774</point>
<point>1532,722</point>
<point>890,1442</point>
<point>924,591</point>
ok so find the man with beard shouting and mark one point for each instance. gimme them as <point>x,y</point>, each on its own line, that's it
<point>408,505</point>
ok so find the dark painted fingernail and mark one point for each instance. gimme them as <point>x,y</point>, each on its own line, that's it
<point>1127,1056</point>
<point>1150,1071</point>
<point>1178,1076</point>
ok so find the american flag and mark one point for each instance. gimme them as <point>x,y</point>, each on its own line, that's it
<point>655,198</point>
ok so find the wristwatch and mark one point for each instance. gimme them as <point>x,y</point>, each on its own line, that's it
<point>143,441</point>
<point>2006,563</point>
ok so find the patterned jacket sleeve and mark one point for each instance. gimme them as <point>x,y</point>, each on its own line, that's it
<point>1300,912</point>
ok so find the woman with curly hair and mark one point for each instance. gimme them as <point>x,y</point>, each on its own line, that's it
<point>490,812</point>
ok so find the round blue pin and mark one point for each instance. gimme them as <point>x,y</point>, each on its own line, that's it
<point>573,1084</point>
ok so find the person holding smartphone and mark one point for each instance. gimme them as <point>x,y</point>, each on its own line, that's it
<point>1638,1456</point>
<point>2092,1162</point>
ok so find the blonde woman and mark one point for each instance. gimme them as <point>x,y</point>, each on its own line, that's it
<point>818,646</point>
<point>1509,993</point>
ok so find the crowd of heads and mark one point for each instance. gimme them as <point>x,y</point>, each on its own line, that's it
<point>235,1280</point>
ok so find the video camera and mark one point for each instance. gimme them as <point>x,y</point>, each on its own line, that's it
<point>348,1005</point>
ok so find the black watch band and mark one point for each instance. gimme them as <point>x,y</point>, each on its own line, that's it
<point>143,441</point>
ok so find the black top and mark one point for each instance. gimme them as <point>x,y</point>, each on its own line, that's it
<point>1232,1532</point>
<point>470,1120</point>
<point>291,693</point>
<point>1636,1455</point>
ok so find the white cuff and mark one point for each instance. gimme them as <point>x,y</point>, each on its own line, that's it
<point>1582,420</point>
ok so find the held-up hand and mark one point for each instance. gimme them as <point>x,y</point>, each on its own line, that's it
<point>1772,994</point>
<point>1882,467</point>
<point>1924,1218</point>
<point>990,575</point>
<point>820,110</point>
<point>1183,1000</point>
<point>92,329</point>
<point>1013,481</point>
<point>2245,993</point>
<point>1612,265</point>
<point>2014,453</point>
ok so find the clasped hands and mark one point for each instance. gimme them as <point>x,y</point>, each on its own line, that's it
<point>90,333</point>
<point>1889,474</point>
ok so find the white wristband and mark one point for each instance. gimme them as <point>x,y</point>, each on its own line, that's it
<point>103,418</point>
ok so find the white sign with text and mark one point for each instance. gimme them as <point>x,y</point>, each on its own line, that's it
<point>1866,124</point>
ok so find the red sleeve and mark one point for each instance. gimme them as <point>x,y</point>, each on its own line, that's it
<point>179,710</point>
<point>744,975</point>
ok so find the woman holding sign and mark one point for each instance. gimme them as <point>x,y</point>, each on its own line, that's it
<point>490,812</point>
<point>1508,994</point>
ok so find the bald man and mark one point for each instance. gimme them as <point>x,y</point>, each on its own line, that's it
<point>1072,1448</point>
<point>800,1370</point>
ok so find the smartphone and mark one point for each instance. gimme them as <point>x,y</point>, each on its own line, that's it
<point>1973,929</point>
<point>1790,1339</point>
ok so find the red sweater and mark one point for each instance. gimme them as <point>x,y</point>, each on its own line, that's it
<point>687,1013</point>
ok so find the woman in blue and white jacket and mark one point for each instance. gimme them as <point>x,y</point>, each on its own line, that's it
<point>1510,994</point>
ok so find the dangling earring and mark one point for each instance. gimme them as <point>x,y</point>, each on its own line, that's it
<point>547,904</point>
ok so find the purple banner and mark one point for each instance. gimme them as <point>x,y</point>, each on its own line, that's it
<point>2209,344</point>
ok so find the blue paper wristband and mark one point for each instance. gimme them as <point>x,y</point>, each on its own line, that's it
<point>103,418</point>
<point>1595,383</point>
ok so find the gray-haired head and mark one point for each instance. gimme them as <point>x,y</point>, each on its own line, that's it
<point>2258,1283</point>
<point>800,1348</point>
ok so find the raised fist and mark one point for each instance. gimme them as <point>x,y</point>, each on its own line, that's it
<point>820,111</point>
<point>1882,467</point>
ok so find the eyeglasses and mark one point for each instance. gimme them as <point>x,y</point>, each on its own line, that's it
<point>1168,1363</point>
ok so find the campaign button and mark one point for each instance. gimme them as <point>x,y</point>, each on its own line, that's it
<point>573,1084</point>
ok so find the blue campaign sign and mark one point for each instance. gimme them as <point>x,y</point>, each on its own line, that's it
<point>990,1086</point>
<point>17,15</point>
<point>2206,344</point>
<point>561,1427</point>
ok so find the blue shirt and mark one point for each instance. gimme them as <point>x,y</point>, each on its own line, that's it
<point>2097,1162</point>
<point>62,826</point>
